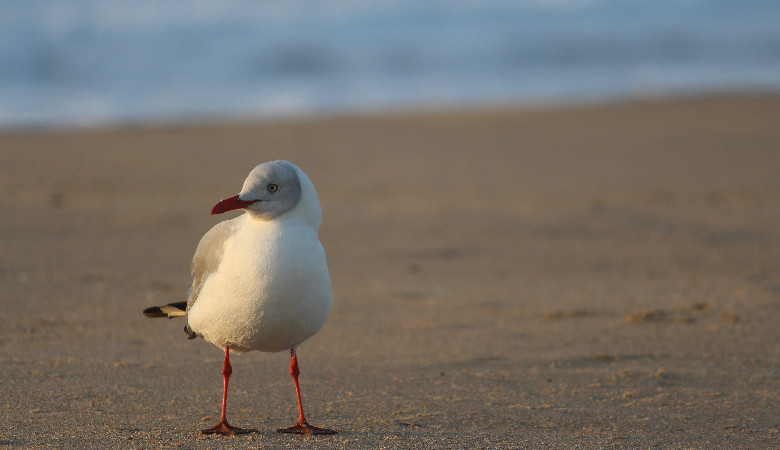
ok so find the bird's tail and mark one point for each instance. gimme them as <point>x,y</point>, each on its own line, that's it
<point>170,310</point>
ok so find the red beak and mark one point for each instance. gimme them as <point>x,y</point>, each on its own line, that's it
<point>229,204</point>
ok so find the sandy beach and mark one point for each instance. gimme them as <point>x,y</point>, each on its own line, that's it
<point>588,276</point>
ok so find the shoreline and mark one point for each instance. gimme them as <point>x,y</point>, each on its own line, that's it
<point>379,113</point>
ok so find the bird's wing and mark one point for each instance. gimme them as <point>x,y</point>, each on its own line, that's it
<point>207,257</point>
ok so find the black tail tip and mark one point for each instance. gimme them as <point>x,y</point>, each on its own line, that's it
<point>154,311</point>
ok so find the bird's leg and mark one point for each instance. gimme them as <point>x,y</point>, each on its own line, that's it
<point>301,427</point>
<point>224,427</point>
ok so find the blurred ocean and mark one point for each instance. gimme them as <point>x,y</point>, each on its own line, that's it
<point>70,63</point>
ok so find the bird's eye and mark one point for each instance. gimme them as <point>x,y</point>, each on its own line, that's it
<point>273,187</point>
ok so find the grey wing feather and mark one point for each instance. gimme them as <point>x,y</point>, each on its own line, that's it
<point>207,257</point>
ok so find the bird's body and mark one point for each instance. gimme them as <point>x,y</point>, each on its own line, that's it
<point>260,280</point>
<point>271,290</point>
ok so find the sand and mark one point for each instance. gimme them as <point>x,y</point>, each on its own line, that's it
<point>596,275</point>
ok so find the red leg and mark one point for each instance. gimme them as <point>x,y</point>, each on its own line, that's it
<point>224,427</point>
<point>301,427</point>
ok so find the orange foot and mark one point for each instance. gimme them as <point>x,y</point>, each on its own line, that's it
<point>305,428</point>
<point>226,430</point>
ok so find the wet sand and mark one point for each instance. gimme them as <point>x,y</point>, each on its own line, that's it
<point>584,276</point>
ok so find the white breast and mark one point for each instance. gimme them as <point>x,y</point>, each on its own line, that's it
<point>270,292</point>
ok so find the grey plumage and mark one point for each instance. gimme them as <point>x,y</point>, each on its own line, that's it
<point>207,257</point>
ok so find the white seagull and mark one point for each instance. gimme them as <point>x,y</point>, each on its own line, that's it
<point>260,280</point>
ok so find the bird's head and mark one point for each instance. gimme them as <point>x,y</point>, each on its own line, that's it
<point>271,189</point>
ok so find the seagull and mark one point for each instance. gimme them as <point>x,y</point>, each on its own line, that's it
<point>260,280</point>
